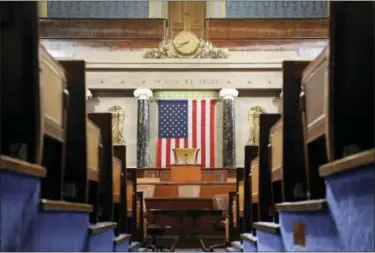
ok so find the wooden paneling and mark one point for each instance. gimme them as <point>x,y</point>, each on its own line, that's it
<point>207,175</point>
<point>203,224</point>
<point>71,45</point>
<point>245,29</point>
<point>147,33</point>
<point>103,28</point>
<point>187,15</point>
<point>197,17</point>
<point>186,173</point>
<point>176,17</point>
<point>207,190</point>
<point>269,44</point>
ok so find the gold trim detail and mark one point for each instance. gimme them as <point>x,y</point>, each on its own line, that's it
<point>118,117</point>
<point>205,50</point>
<point>43,9</point>
<point>185,94</point>
<point>253,119</point>
<point>151,8</point>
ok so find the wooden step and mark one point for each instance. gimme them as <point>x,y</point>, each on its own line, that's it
<point>237,245</point>
<point>270,227</point>
<point>133,246</point>
<point>230,249</point>
<point>63,206</point>
<point>348,163</point>
<point>122,238</point>
<point>101,227</point>
<point>302,206</point>
<point>249,237</point>
<point>22,167</point>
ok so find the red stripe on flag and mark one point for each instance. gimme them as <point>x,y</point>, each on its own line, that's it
<point>212,133</point>
<point>203,133</point>
<point>168,153</point>
<point>158,153</point>
<point>194,123</point>
<point>177,145</point>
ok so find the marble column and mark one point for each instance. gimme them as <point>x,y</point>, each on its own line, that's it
<point>229,137</point>
<point>143,127</point>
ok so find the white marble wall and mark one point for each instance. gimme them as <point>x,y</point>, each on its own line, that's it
<point>129,104</point>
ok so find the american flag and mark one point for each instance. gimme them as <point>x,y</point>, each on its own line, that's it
<point>188,123</point>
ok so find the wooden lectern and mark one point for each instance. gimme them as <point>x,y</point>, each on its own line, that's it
<point>186,168</point>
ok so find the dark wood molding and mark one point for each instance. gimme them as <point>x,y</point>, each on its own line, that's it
<point>269,44</point>
<point>100,227</point>
<point>237,29</point>
<point>147,33</point>
<point>20,166</point>
<point>122,238</point>
<point>145,28</point>
<point>351,162</point>
<point>52,205</point>
<point>303,206</point>
<point>267,227</point>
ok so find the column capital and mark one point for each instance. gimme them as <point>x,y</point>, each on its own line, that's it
<point>88,94</point>
<point>227,93</point>
<point>143,93</point>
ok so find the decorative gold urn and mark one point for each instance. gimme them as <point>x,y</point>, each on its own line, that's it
<point>118,117</point>
<point>253,119</point>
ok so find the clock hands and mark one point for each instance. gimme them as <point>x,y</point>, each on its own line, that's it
<point>183,43</point>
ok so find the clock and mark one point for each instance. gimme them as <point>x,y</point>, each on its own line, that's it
<point>185,43</point>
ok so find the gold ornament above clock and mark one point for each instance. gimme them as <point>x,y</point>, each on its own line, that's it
<point>186,45</point>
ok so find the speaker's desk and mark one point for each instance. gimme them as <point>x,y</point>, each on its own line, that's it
<point>186,173</point>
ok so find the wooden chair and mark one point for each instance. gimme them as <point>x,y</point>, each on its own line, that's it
<point>153,230</point>
<point>220,202</point>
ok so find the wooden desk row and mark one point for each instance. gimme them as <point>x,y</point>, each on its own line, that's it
<point>44,120</point>
<point>207,174</point>
<point>327,115</point>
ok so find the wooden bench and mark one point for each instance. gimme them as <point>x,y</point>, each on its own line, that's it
<point>82,143</point>
<point>120,210</point>
<point>33,96</point>
<point>251,151</point>
<point>207,174</point>
<point>231,233</point>
<point>288,174</point>
<point>106,201</point>
<point>131,191</point>
<point>21,99</point>
<point>338,92</point>
<point>262,184</point>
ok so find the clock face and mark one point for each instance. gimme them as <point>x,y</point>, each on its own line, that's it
<point>186,43</point>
